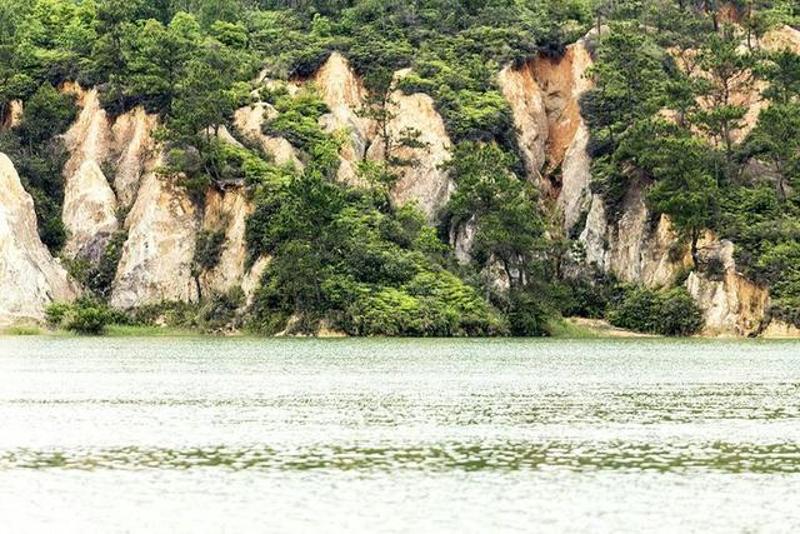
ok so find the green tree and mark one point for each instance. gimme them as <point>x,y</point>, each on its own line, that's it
<point>729,71</point>
<point>776,139</point>
<point>685,189</point>
<point>156,58</point>
<point>782,71</point>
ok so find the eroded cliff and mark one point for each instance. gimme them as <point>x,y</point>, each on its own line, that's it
<point>156,262</point>
<point>113,169</point>
<point>630,244</point>
<point>30,279</point>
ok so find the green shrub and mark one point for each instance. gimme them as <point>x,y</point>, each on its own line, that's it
<point>787,311</point>
<point>527,315</point>
<point>679,315</point>
<point>668,313</point>
<point>208,249</point>
<point>56,313</point>
<point>588,297</point>
<point>167,313</point>
<point>101,276</point>
<point>86,316</point>
<point>219,312</point>
<point>88,319</point>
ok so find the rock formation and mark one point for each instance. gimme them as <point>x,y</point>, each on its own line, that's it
<point>227,212</point>
<point>124,147</point>
<point>11,116</point>
<point>731,304</point>
<point>345,95</point>
<point>633,247</point>
<point>157,261</point>
<point>90,206</point>
<point>30,278</point>
<point>135,150</point>
<point>157,258</point>
<point>248,122</point>
<point>544,99</point>
<point>422,176</point>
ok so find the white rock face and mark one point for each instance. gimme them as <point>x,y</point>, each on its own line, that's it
<point>574,198</point>
<point>227,211</point>
<point>523,93</point>
<point>344,93</point>
<point>732,305</point>
<point>252,278</point>
<point>631,248</point>
<point>30,278</point>
<point>424,180</point>
<point>156,263</point>
<point>462,237</point>
<point>637,253</point>
<point>90,206</point>
<point>135,151</point>
<point>223,134</point>
<point>248,121</point>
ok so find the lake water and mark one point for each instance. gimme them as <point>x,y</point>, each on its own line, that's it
<point>245,435</point>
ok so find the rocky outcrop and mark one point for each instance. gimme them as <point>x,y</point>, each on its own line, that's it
<point>345,95</point>
<point>157,258</point>
<point>252,278</point>
<point>249,121</point>
<point>124,148</point>
<point>731,304</point>
<point>634,248</point>
<point>133,151</point>
<point>422,178</point>
<point>544,99</point>
<point>11,116</point>
<point>639,251</point>
<point>524,95</point>
<point>227,212</point>
<point>462,237</point>
<point>30,278</point>
<point>90,206</point>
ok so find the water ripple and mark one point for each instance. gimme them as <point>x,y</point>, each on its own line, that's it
<point>510,456</point>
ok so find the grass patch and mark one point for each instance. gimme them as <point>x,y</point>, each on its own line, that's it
<point>561,328</point>
<point>118,330</point>
<point>23,330</point>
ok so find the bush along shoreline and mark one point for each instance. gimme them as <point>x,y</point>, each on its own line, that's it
<point>670,313</point>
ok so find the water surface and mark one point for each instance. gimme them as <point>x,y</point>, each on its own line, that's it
<point>245,435</point>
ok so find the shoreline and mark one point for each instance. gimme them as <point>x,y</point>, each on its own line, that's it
<point>565,328</point>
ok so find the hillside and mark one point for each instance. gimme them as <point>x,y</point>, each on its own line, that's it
<point>421,168</point>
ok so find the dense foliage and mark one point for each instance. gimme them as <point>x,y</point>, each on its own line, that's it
<point>86,316</point>
<point>669,313</point>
